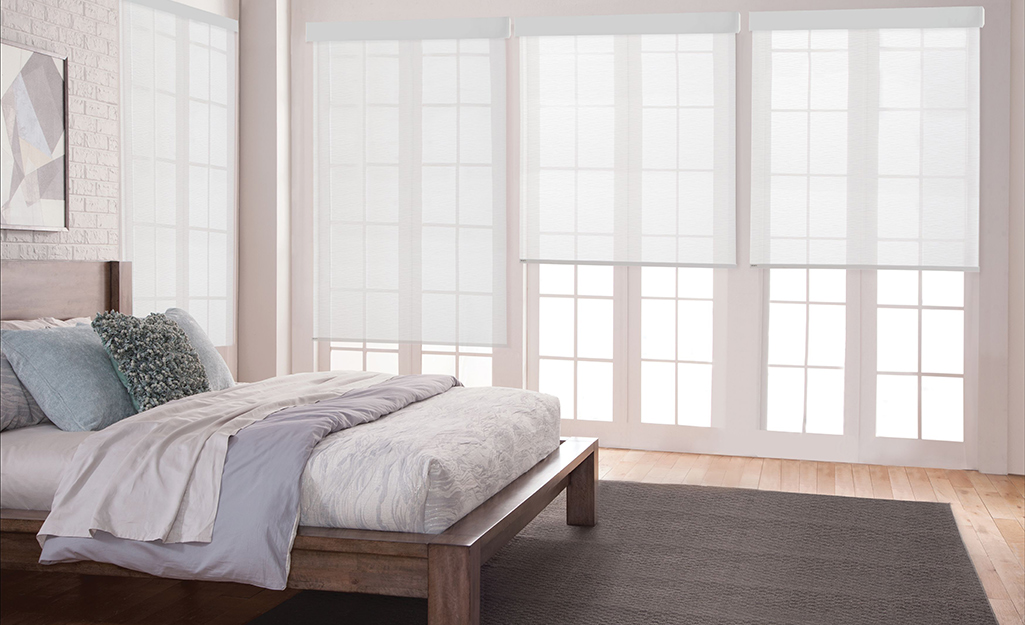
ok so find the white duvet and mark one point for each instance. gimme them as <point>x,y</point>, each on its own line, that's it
<point>417,470</point>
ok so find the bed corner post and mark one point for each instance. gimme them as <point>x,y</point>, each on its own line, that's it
<point>581,493</point>
<point>453,585</point>
<point>121,286</point>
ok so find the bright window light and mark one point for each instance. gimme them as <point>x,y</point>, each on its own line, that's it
<point>807,351</point>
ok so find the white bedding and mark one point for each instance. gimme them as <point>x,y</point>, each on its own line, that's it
<point>417,470</point>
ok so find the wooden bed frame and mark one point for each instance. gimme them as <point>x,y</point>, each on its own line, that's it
<point>443,568</point>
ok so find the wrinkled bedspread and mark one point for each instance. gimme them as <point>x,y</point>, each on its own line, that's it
<point>123,498</point>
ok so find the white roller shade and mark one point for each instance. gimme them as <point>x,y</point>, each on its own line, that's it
<point>409,191</point>
<point>178,161</point>
<point>628,145</point>
<point>410,30</point>
<point>865,145</point>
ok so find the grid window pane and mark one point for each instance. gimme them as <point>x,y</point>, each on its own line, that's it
<point>658,392</point>
<point>825,401</point>
<point>676,346</point>
<point>346,360</point>
<point>897,340</point>
<point>787,334</point>
<point>943,288</point>
<point>383,362</point>
<point>594,328</point>
<point>920,330</point>
<point>575,332</point>
<point>658,329</point>
<point>785,407</point>
<point>897,287</point>
<point>438,363</point>
<point>942,409</point>
<point>943,341</point>
<point>807,345</point>
<point>897,406</point>
<point>694,388</point>
<point>557,377</point>
<point>827,335</point>
<point>557,323</point>
<point>475,370</point>
<point>594,391</point>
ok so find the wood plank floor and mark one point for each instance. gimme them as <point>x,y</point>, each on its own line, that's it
<point>990,512</point>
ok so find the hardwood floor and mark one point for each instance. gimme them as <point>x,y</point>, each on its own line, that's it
<point>990,512</point>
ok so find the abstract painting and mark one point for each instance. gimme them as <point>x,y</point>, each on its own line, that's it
<point>33,148</point>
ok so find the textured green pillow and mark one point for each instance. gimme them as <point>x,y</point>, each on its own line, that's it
<point>152,357</point>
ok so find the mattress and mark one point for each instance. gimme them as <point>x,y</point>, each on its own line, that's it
<point>419,469</point>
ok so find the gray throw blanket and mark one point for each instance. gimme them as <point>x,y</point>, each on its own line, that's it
<point>258,509</point>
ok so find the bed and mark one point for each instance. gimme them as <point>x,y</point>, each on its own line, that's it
<point>442,567</point>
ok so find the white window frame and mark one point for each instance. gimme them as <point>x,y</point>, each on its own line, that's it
<point>930,453</point>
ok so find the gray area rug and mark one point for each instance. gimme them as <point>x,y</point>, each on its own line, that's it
<point>669,554</point>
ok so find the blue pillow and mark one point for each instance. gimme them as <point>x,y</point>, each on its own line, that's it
<point>217,373</point>
<point>70,376</point>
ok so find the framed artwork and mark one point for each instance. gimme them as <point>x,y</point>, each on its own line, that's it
<point>33,146</point>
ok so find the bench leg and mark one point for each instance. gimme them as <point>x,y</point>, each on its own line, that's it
<point>453,585</point>
<point>581,494</point>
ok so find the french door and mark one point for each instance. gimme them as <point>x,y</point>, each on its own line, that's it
<point>822,364</point>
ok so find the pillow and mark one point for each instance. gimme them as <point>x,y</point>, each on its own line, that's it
<point>217,372</point>
<point>68,373</point>
<point>152,356</point>
<point>18,408</point>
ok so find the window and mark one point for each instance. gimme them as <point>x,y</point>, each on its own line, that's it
<point>676,346</point>
<point>179,165</point>
<point>575,339</point>
<point>471,365</point>
<point>629,140</point>
<point>865,138</point>
<point>806,351</point>
<point>920,355</point>
<point>409,187</point>
<point>807,124</point>
<point>631,314</point>
<point>361,356</point>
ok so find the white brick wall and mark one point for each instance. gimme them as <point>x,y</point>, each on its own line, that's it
<point>86,31</point>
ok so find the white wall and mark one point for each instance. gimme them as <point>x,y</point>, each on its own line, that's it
<point>1016,257</point>
<point>264,181</point>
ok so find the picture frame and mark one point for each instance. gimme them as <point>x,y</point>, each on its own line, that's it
<point>34,163</point>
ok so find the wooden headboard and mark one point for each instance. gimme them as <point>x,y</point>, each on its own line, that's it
<point>30,289</point>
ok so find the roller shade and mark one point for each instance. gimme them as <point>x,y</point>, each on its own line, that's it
<point>628,140</point>
<point>410,30</point>
<point>409,189</point>
<point>865,144</point>
<point>178,67</point>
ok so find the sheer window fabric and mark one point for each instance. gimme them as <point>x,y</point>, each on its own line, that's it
<point>409,191</point>
<point>865,148</point>
<point>628,149</point>
<point>179,137</point>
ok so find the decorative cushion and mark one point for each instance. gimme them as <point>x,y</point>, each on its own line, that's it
<point>217,373</point>
<point>69,374</point>
<point>152,356</point>
<point>18,408</point>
